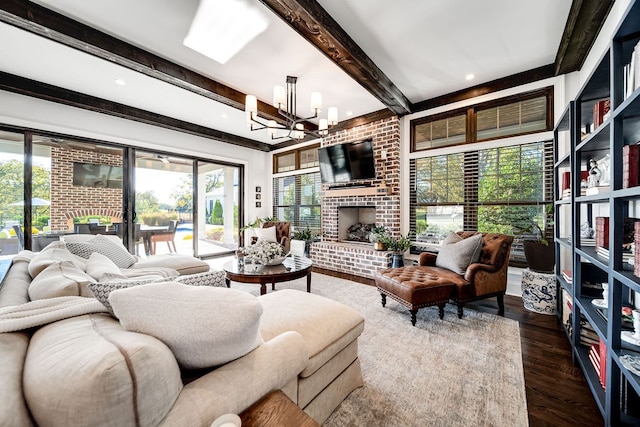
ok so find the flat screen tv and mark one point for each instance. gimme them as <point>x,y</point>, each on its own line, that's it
<point>91,175</point>
<point>343,163</point>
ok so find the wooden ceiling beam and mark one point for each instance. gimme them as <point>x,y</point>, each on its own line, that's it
<point>586,17</point>
<point>59,28</point>
<point>47,92</point>
<point>313,23</point>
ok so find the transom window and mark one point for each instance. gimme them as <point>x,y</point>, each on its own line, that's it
<point>516,115</point>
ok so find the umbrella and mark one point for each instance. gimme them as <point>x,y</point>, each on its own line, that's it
<point>35,201</point>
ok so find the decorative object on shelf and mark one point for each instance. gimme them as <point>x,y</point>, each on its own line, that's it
<point>265,253</point>
<point>631,363</point>
<point>594,174</point>
<point>586,232</point>
<point>600,303</point>
<point>539,291</point>
<point>398,246</point>
<point>633,337</point>
<point>285,101</point>
<point>377,237</point>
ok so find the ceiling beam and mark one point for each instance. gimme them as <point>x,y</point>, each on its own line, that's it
<point>586,17</point>
<point>47,92</point>
<point>313,23</point>
<point>59,28</point>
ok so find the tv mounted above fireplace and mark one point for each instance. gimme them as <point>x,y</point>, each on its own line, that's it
<point>344,163</point>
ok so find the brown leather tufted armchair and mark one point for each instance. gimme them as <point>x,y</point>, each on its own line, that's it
<point>283,229</point>
<point>484,279</point>
<point>426,285</point>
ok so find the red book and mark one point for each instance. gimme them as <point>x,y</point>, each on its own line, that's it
<point>602,232</point>
<point>566,180</point>
<point>630,164</point>
<point>603,363</point>
<point>600,109</point>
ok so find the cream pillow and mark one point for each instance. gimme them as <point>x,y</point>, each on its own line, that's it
<point>105,245</point>
<point>267,234</point>
<point>457,253</point>
<point>102,268</point>
<point>60,279</point>
<point>203,326</point>
<point>54,252</point>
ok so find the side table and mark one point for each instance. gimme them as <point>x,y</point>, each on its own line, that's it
<point>539,291</point>
<point>276,409</point>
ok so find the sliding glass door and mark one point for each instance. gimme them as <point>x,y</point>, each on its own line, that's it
<point>11,192</point>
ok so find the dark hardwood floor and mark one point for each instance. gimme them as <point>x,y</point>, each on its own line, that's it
<point>557,393</point>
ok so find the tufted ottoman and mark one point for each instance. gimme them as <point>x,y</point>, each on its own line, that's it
<point>415,287</point>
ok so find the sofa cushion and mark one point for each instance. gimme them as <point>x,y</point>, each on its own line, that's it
<point>112,249</point>
<point>13,408</point>
<point>184,264</point>
<point>54,252</point>
<point>456,253</point>
<point>102,269</point>
<point>203,326</point>
<point>61,279</point>
<point>87,370</point>
<point>327,326</point>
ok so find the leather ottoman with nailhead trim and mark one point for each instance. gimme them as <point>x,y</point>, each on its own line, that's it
<point>416,287</point>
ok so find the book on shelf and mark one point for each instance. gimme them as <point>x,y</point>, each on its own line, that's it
<point>630,165</point>
<point>600,110</point>
<point>567,309</point>
<point>626,256</point>
<point>602,232</point>
<point>594,358</point>
<point>566,275</point>
<point>629,399</point>
<point>588,335</point>
<point>602,373</point>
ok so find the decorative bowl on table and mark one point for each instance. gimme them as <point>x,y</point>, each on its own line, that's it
<point>265,253</point>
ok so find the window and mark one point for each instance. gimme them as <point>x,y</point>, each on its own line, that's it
<point>515,115</point>
<point>486,190</point>
<point>296,197</point>
<point>297,200</point>
<point>302,158</point>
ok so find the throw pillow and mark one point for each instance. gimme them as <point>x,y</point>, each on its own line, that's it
<point>113,250</point>
<point>457,253</point>
<point>101,291</point>
<point>268,234</point>
<point>54,252</point>
<point>60,279</point>
<point>102,268</point>
<point>203,326</point>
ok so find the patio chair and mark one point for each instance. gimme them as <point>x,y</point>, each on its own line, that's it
<point>167,236</point>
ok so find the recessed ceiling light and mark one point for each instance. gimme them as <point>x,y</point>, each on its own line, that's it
<point>221,29</point>
<point>224,116</point>
<point>120,82</point>
<point>470,77</point>
<point>349,113</point>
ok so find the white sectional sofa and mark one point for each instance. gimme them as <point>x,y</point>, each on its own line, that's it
<point>82,365</point>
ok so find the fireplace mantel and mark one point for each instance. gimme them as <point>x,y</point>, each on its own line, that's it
<point>359,191</point>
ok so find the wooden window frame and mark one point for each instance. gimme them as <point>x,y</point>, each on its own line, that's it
<point>297,152</point>
<point>471,117</point>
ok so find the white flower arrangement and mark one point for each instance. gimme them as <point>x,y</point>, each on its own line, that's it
<point>263,252</point>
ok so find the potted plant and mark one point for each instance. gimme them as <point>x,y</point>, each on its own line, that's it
<point>307,236</point>
<point>538,250</point>
<point>398,246</point>
<point>377,237</point>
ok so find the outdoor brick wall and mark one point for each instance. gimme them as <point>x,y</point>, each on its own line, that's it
<point>69,201</point>
<point>356,258</point>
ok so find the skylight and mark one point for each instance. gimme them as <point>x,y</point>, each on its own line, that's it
<point>221,29</point>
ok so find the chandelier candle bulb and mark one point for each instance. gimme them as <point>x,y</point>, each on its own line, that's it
<point>279,97</point>
<point>299,133</point>
<point>323,127</point>
<point>251,104</point>
<point>316,102</point>
<point>332,116</point>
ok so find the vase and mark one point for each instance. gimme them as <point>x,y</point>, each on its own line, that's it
<point>276,261</point>
<point>397,261</point>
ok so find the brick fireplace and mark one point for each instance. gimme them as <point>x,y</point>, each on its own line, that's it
<point>378,202</point>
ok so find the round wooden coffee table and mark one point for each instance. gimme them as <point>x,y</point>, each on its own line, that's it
<point>293,267</point>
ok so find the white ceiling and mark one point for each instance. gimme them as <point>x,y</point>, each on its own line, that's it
<point>426,48</point>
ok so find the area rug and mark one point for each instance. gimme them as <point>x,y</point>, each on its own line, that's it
<point>449,372</point>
